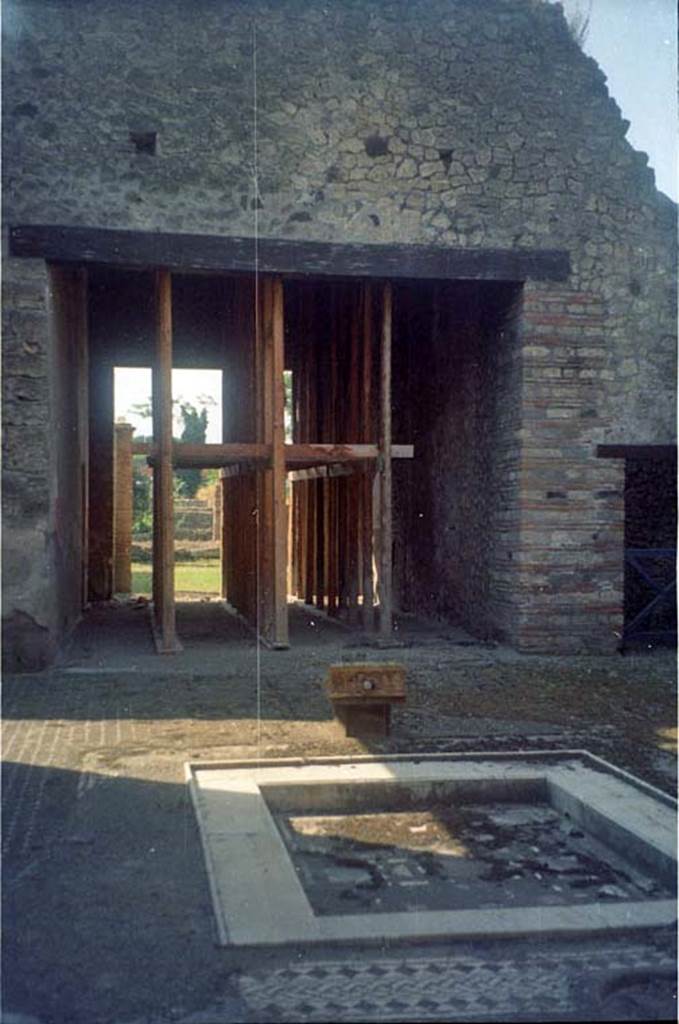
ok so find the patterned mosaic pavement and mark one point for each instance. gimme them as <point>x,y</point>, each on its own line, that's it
<point>532,986</point>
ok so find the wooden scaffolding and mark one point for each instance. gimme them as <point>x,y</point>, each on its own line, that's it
<point>308,516</point>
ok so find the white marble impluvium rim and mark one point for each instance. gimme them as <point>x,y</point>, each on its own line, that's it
<point>259,900</point>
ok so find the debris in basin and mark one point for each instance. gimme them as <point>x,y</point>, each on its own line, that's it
<point>612,890</point>
<point>457,856</point>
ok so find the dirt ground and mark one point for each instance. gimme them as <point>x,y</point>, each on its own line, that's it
<point>107,913</point>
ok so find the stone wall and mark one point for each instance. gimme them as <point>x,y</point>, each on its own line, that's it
<point>458,399</point>
<point>44,337</point>
<point>377,121</point>
<point>29,627</point>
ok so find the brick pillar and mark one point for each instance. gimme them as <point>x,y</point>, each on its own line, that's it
<point>569,577</point>
<point>122,508</point>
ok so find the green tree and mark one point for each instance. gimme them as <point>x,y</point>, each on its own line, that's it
<point>194,431</point>
<point>578,17</point>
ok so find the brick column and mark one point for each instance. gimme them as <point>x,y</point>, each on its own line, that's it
<point>122,508</point>
<point>569,577</point>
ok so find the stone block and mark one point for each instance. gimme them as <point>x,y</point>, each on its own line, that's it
<point>362,695</point>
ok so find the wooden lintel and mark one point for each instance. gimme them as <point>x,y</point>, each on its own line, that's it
<point>151,249</point>
<point>640,452</point>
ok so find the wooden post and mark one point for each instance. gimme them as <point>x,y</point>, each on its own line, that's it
<point>264,522</point>
<point>352,485</point>
<point>280,526</point>
<point>163,510</point>
<point>332,434</point>
<point>385,466</point>
<point>367,481</point>
<point>157,564</point>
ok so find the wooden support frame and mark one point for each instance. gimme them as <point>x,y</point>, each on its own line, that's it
<point>296,456</point>
<point>163,501</point>
<point>272,527</point>
<point>384,467</point>
<point>340,525</point>
<point>366,503</point>
<point>638,452</point>
<point>280,525</point>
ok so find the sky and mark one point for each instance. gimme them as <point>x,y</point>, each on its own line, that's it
<point>635,44</point>
<point>133,387</point>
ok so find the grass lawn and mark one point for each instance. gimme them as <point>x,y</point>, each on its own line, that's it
<point>189,577</point>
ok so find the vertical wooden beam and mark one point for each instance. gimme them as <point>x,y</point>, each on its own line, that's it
<point>333,554</point>
<point>280,525</point>
<point>264,395</point>
<point>313,486</point>
<point>163,511</point>
<point>367,481</point>
<point>385,466</point>
<point>352,485</point>
<point>82,343</point>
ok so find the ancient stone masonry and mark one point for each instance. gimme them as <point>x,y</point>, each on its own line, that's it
<point>478,135</point>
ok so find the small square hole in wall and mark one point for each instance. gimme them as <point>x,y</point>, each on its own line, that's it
<point>144,142</point>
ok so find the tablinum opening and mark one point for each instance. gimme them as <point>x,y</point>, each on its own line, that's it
<point>454,397</point>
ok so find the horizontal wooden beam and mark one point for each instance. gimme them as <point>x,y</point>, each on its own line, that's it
<point>152,249</point>
<point>325,454</point>
<point>215,456</point>
<point>640,452</point>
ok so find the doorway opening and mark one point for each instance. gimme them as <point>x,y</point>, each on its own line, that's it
<point>364,451</point>
<point>197,404</point>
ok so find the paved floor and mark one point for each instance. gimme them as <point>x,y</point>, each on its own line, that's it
<point>107,914</point>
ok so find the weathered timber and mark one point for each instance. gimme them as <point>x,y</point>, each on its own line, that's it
<point>264,566</point>
<point>324,454</point>
<point>386,531</point>
<point>148,249</point>
<point>640,452</point>
<point>213,456</point>
<point>366,510</point>
<point>280,525</point>
<point>163,509</point>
